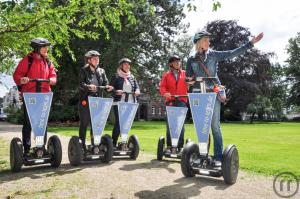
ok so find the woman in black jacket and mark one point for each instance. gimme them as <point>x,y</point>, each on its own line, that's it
<point>123,82</point>
<point>90,77</point>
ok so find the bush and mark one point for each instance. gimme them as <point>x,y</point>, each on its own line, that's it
<point>63,113</point>
<point>15,115</point>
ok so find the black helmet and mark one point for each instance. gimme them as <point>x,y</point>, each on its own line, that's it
<point>91,53</point>
<point>39,42</point>
<point>200,35</point>
<point>173,58</point>
<point>121,61</point>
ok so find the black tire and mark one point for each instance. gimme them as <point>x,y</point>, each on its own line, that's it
<point>160,148</point>
<point>55,150</point>
<point>190,151</point>
<point>230,164</point>
<point>108,152</point>
<point>75,151</point>
<point>134,145</point>
<point>16,154</point>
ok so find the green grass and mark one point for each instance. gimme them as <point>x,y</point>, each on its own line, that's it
<point>4,155</point>
<point>265,148</point>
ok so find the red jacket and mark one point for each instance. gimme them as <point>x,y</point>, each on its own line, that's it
<point>168,84</point>
<point>38,69</point>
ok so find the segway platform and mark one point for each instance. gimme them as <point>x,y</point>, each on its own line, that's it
<point>38,107</point>
<point>195,157</point>
<point>126,112</point>
<point>101,147</point>
<point>175,118</point>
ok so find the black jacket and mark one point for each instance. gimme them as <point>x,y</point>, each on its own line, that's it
<point>86,77</point>
<point>117,82</point>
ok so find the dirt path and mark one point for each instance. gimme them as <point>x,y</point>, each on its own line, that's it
<point>122,178</point>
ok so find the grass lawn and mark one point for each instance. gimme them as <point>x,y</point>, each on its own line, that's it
<point>266,148</point>
<point>4,155</point>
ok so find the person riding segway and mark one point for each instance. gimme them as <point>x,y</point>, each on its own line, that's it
<point>125,107</point>
<point>34,75</point>
<point>93,81</point>
<point>173,87</point>
<point>202,70</point>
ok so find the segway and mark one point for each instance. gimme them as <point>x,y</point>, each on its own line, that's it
<point>175,118</point>
<point>38,107</point>
<point>195,158</point>
<point>101,147</point>
<point>126,112</point>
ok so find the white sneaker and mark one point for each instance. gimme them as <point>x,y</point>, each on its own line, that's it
<point>218,163</point>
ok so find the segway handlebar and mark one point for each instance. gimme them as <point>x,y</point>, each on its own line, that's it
<point>177,96</point>
<point>39,80</point>
<point>201,79</point>
<point>127,95</point>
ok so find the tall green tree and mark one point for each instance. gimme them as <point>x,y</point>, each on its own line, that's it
<point>292,70</point>
<point>245,76</point>
<point>23,20</point>
<point>146,42</point>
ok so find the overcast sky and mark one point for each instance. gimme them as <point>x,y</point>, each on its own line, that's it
<point>279,20</point>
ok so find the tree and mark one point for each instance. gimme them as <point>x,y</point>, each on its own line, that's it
<point>247,75</point>
<point>147,43</point>
<point>56,20</point>
<point>261,105</point>
<point>292,70</point>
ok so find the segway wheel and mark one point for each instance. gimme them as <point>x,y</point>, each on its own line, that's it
<point>75,151</point>
<point>16,154</point>
<point>160,148</point>
<point>134,145</point>
<point>230,165</point>
<point>189,154</point>
<point>108,148</point>
<point>55,150</point>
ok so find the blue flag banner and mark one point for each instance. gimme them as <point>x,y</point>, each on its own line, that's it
<point>202,107</point>
<point>38,108</point>
<point>127,113</point>
<point>99,111</point>
<point>176,117</point>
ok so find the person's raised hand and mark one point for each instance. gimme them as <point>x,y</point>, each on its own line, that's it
<point>257,38</point>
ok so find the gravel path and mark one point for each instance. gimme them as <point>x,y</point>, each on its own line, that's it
<point>122,178</point>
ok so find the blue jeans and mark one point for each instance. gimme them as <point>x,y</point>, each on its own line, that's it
<point>216,131</point>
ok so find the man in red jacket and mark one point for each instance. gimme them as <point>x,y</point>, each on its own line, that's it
<point>34,65</point>
<point>173,83</point>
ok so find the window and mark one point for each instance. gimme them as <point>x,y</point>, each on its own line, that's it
<point>159,111</point>
<point>153,110</point>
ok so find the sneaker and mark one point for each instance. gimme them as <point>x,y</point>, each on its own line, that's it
<point>26,154</point>
<point>217,163</point>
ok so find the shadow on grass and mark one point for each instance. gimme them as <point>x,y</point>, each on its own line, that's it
<point>153,164</point>
<point>248,123</point>
<point>184,188</point>
<point>44,171</point>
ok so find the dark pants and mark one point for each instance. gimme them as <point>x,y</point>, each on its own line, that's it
<point>26,132</point>
<point>181,137</point>
<point>116,130</point>
<point>85,120</point>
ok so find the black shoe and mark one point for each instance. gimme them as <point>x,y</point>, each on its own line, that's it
<point>26,154</point>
